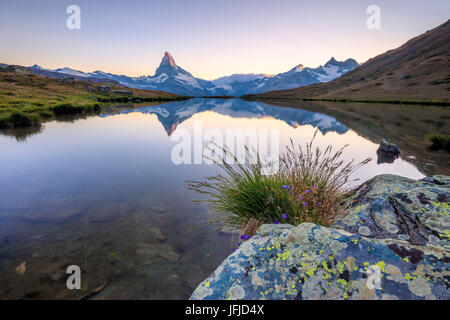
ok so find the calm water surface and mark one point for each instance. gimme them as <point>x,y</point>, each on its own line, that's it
<point>102,193</point>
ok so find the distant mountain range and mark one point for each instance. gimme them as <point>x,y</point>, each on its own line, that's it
<point>416,71</point>
<point>172,78</point>
<point>172,114</point>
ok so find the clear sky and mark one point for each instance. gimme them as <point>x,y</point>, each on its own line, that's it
<point>209,38</point>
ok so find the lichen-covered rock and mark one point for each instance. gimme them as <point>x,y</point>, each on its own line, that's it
<point>367,260</point>
<point>399,208</point>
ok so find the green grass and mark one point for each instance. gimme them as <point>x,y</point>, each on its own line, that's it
<point>439,142</point>
<point>18,119</point>
<point>310,186</point>
<point>344,100</point>
<point>11,118</point>
<point>68,108</point>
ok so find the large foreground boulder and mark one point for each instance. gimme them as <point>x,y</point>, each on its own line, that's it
<point>392,244</point>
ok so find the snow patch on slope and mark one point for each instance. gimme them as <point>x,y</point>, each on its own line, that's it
<point>188,80</point>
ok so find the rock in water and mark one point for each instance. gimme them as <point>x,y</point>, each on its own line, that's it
<point>388,147</point>
<point>387,152</point>
<point>393,244</point>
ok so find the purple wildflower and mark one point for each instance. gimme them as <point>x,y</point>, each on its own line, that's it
<point>304,203</point>
<point>307,191</point>
<point>319,204</point>
<point>314,187</point>
<point>277,222</point>
<point>245,237</point>
<point>283,216</point>
<point>285,187</point>
<point>300,197</point>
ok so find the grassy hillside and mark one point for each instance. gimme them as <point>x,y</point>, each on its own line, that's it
<point>27,99</point>
<point>418,71</point>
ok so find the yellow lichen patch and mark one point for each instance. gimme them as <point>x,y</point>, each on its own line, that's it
<point>358,209</point>
<point>445,234</point>
<point>303,264</point>
<point>340,267</point>
<point>443,205</point>
<point>409,277</point>
<point>285,255</point>
<point>325,266</point>
<point>326,276</point>
<point>343,282</point>
<point>381,265</point>
<point>311,271</point>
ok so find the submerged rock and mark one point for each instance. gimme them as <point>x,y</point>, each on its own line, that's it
<point>158,250</point>
<point>393,244</point>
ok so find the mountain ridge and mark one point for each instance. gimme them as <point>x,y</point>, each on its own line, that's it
<point>415,71</point>
<point>172,78</point>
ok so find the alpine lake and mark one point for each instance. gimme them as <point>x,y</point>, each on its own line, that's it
<point>103,192</point>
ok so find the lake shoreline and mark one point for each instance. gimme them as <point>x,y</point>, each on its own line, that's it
<point>349,100</point>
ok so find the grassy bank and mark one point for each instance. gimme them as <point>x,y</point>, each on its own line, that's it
<point>344,100</point>
<point>28,100</point>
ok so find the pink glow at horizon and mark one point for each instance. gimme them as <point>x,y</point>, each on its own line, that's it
<point>209,39</point>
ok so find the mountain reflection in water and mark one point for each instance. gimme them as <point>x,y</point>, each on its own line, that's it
<point>172,114</point>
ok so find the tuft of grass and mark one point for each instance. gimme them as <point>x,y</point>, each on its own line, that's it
<point>68,108</point>
<point>439,142</point>
<point>310,186</point>
<point>19,119</point>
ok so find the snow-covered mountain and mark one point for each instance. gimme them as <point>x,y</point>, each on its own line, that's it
<point>172,78</point>
<point>299,76</point>
<point>239,77</point>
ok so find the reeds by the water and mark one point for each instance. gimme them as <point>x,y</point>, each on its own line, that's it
<point>310,186</point>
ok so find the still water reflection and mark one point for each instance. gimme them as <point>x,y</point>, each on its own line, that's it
<point>103,193</point>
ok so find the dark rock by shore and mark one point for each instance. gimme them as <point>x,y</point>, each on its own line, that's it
<point>392,244</point>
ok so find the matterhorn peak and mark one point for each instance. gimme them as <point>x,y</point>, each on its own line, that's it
<point>168,60</point>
